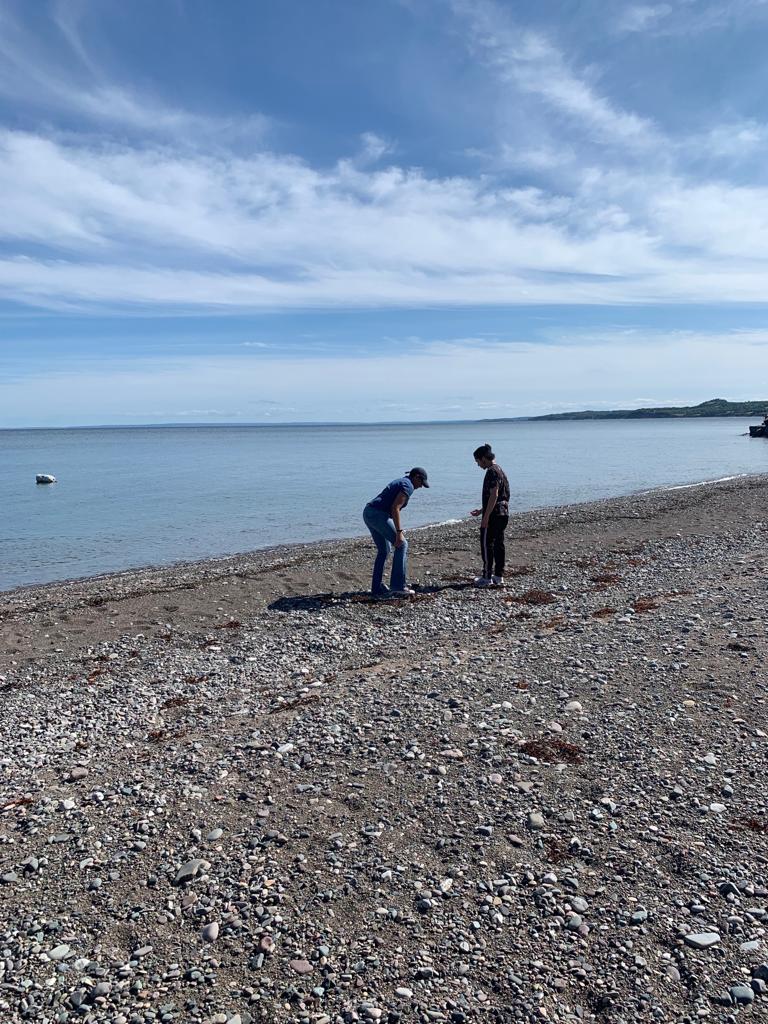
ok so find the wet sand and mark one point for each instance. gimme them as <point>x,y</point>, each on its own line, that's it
<point>63,616</point>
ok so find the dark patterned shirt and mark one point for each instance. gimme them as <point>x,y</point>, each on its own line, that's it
<point>495,475</point>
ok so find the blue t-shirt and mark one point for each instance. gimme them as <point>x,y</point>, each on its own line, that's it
<point>386,499</point>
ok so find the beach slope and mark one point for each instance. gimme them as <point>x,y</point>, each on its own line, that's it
<point>240,791</point>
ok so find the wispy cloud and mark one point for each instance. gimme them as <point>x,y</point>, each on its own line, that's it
<point>536,379</point>
<point>688,17</point>
<point>641,17</point>
<point>57,73</point>
<point>527,60</point>
<point>602,207</point>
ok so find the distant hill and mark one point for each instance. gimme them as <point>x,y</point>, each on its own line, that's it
<point>714,407</point>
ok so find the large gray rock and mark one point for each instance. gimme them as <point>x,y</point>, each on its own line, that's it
<point>190,870</point>
<point>702,940</point>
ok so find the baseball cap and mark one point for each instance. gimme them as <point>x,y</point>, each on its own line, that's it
<point>421,472</point>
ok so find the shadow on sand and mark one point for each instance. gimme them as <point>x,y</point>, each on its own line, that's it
<point>317,602</point>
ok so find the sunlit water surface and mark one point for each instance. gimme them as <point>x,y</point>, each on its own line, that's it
<point>137,496</point>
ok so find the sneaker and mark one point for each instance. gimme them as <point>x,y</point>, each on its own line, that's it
<point>405,592</point>
<point>483,581</point>
<point>498,581</point>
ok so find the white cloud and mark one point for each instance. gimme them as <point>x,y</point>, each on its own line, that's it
<point>150,224</point>
<point>689,17</point>
<point>373,148</point>
<point>528,61</point>
<point>641,17</point>
<point>577,125</point>
<point>734,141</point>
<point>153,227</point>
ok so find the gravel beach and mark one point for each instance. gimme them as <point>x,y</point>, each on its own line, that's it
<point>239,791</point>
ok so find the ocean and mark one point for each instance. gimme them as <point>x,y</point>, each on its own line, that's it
<point>135,496</point>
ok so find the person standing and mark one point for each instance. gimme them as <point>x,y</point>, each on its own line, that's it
<point>382,517</point>
<point>495,517</point>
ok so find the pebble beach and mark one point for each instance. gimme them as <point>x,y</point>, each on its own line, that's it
<point>239,791</point>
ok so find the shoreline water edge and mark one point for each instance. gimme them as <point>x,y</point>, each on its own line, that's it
<point>237,790</point>
<point>254,557</point>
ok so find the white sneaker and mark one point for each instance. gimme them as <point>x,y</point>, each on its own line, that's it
<point>405,592</point>
<point>483,581</point>
<point>498,581</point>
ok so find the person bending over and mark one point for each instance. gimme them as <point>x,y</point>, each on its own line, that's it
<point>382,517</point>
<point>495,517</point>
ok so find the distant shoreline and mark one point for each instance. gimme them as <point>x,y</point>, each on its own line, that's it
<point>714,408</point>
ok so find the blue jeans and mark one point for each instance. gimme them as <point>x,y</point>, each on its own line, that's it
<point>384,536</point>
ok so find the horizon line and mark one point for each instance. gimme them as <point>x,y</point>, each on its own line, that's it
<point>286,423</point>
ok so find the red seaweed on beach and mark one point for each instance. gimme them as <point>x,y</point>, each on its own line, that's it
<point>175,702</point>
<point>552,750</point>
<point>533,597</point>
<point>230,624</point>
<point>603,613</point>
<point>191,680</point>
<point>289,705</point>
<point>555,622</point>
<point>557,851</point>
<point>19,801</point>
<point>644,604</point>
<point>736,645</point>
<point>606,578</point>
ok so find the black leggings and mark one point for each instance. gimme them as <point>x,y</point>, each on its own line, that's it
<point>492,546</point>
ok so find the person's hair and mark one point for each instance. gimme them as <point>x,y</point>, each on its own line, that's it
<point>484,452</point>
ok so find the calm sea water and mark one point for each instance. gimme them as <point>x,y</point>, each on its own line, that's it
<point>138,496</point>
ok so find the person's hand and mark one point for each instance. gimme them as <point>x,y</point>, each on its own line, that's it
<point>399,539</point>
<point>476,512</point>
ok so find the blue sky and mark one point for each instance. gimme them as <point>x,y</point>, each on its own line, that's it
<point>397,209</point>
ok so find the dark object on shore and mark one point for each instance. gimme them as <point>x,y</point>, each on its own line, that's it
<point>761,430</point>
<point>45,478</point>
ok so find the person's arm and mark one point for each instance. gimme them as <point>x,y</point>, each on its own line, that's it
<point>397,504</point>
<point>493,497</point>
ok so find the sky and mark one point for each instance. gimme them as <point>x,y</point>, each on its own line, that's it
<point>328,210</point>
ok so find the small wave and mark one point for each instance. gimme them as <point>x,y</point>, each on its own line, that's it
<point>700,483</point>
<point>431,526</point>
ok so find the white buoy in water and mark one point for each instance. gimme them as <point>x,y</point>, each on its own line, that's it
<point>45,478</point>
